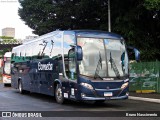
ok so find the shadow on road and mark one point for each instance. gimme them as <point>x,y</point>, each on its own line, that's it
<point>79,104</point>
<point>115,104</point>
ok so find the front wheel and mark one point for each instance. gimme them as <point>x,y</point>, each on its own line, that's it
<point>58,94</point>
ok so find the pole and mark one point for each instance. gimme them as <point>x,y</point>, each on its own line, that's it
<point>109,17</point>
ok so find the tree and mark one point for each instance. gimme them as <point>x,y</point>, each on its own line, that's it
<point>2,52</point>
<point>47,15</point>
<point>137,21</point>
<point>152,4</point>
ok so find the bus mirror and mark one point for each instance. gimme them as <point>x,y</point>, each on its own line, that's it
<point>137,54</point>
<point>79,53</point>
<point>132,50</point>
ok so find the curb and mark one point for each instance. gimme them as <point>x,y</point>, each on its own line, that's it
<point>145,99</point>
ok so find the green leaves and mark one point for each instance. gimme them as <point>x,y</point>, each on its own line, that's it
<point>152,4</point>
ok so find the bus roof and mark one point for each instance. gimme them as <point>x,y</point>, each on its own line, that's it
<point>7,54</point>
<point>97,33</point>
<point>82,33</point>
<point>78,33</point>
<point>43,37</point>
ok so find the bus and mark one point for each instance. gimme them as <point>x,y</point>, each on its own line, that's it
<point>80,65</point>
<point>6,69</point>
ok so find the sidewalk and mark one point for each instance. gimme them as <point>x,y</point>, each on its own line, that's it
<point>145,95</point>
<point>148,97</point>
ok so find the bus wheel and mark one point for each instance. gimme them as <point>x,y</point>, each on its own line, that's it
<point>20,87</point>
<point>58,94</point>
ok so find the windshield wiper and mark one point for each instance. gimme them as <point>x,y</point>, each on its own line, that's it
<point>99,66</point>
<point>114,67</point>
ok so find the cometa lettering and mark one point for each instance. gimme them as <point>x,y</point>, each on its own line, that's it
<point>48,66</point>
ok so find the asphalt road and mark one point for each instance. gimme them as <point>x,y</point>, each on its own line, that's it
<point>12,100</point>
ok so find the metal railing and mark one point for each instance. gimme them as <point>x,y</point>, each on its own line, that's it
<point>145,76</point>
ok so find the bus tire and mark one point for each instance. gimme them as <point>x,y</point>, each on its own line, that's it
<point>58,94</point>
<point>20,87</point>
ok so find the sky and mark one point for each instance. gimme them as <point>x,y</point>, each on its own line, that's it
<point>9,18</point>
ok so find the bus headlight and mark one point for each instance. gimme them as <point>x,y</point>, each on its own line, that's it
<point>87,85</point>
<point>124,85</point>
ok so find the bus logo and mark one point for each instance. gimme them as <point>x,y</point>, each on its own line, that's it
<point>48,66</point>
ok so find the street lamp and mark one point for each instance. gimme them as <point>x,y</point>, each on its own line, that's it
<point>109,17</point>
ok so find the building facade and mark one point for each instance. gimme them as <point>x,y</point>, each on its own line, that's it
<point>9,32</point>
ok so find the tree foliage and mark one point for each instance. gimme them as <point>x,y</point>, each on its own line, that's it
<point>136,20</point>
<point>2,52</point>
<point>152,4</point>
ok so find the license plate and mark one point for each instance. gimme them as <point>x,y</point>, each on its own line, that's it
<point>108,94</point>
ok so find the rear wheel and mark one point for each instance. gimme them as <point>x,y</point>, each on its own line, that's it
<point>20,87</point>
<point>58,94</point>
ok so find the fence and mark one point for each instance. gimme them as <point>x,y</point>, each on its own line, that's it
<point>144,77</point>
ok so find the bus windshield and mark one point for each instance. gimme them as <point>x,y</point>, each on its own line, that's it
<point>7,65</point>
<point>103,58</point>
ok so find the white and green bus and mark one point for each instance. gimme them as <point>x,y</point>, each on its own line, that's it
<point>6,69</point>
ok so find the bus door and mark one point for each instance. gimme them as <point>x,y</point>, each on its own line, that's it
<point>70,65</point>
<point>71,74</point>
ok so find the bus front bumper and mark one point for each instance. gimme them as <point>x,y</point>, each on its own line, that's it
<point>105,98</point>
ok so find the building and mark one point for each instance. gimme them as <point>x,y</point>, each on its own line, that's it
<point>9,32</point>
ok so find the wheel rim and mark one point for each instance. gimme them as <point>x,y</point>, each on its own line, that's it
<point>59,94</point>
<point>20,87</point>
